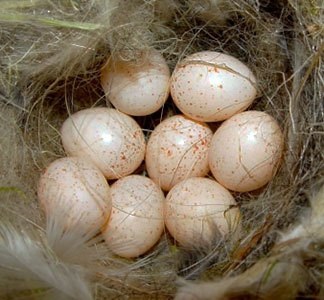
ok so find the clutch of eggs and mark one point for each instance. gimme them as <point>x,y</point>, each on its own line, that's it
<point>106,143</point>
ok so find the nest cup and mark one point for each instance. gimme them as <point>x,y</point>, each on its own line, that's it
<point>51,56</point>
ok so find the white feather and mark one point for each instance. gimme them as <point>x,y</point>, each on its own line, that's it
<point>30,269</point>
<point>72,244</point>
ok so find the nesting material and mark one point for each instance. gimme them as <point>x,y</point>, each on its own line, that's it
<point>51,57</point>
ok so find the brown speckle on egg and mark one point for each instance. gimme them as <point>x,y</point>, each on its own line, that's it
<point>225,78</point>
<point>253,143</point>
<point>137,219</point>
<point>194,212</point>
<point>140,91</point>
<point>177,149</point>
<point>75,191</point>
<point>110,139</point>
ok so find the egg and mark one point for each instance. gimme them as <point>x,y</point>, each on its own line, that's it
<point>76,192</point>
<point>246,150</point>
<point>111,140</point>
<point>137,88</point>
<point>198,211</point>
<point>177,149</point>
<point>136,221</point>
<point>211,86</point>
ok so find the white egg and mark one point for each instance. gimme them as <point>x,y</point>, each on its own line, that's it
<point>211,86</point>
<point>76,192</point>
<point>136,221</point>
<point>177,149</point>
<point>137,88</point>
<point>198,211</point>
<point>111,140</point>
<point>246,150</point>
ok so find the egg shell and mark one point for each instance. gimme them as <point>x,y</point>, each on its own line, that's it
<point>76,192</point>
<point>246,150</point>
<point>211,86</point>
<point>177,149</point>
<point>136,221</point>
<point>137,88</point>
<point>111,140</point>
<point>198,211</point>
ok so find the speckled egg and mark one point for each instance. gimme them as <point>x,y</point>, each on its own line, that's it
<point>111,140</point>
<point>137,88</point>
<point>211,86</point>
<point>198,211</point>
<point>75,192</point>
<point>136,221</point>
<point>177,149</point>
<point>246,150</point>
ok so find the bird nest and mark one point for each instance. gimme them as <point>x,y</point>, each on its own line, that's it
<point>51,55</point>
